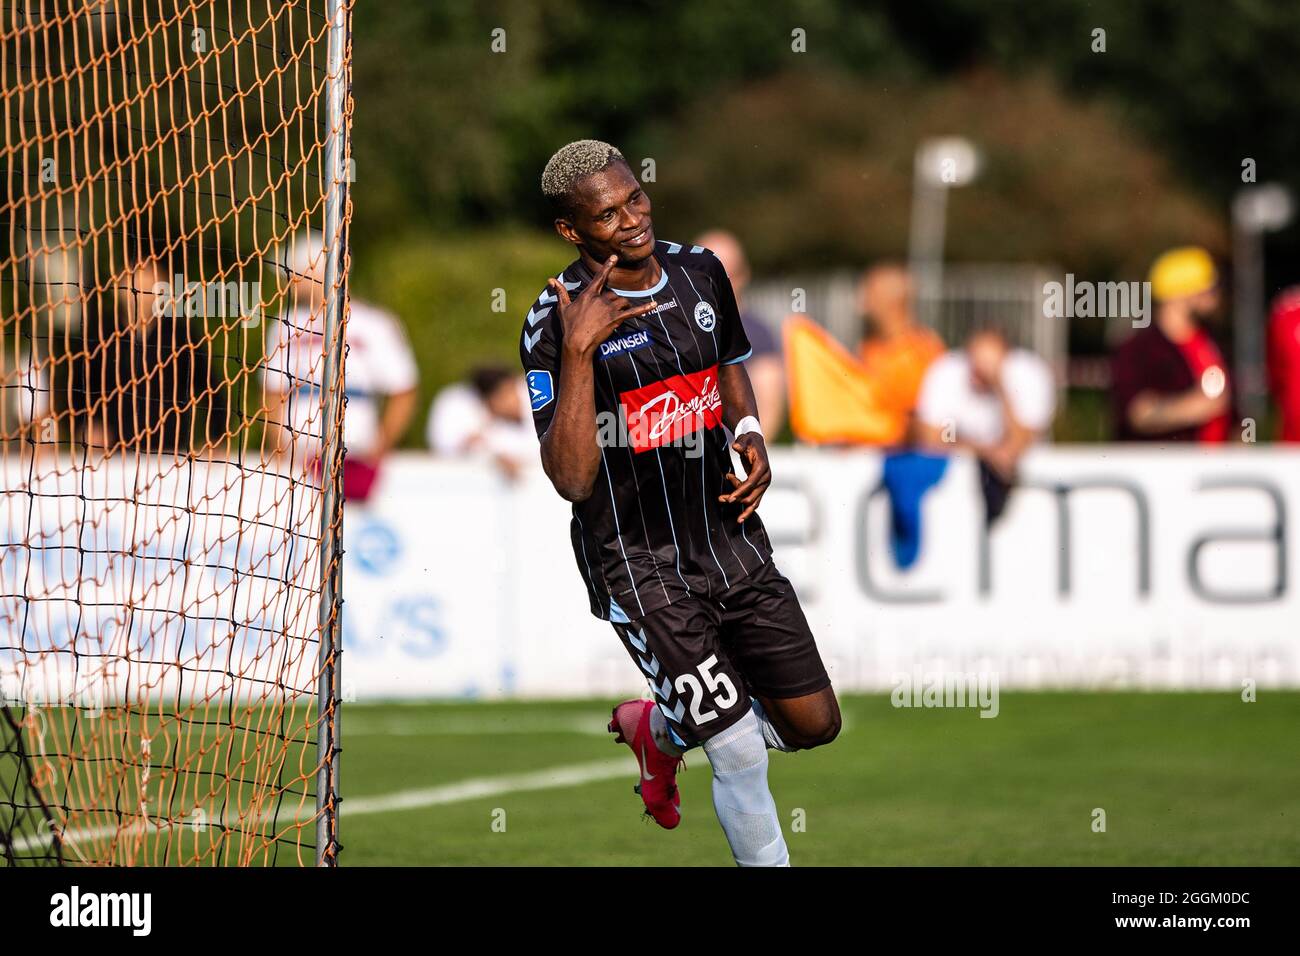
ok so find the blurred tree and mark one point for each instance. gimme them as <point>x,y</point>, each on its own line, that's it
<point>1209,83</point>
<point>1214,81</point>
<point>445,289</point>
<point>816,170</point>
<point>448,131</point>
<point>1093,160</point>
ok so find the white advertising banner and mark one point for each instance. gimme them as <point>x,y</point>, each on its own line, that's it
<point>142,576</point>
<point>1111,567</point>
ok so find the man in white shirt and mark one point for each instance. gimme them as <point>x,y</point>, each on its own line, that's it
<point>988,398</point>
<point>485,414</point>
<point>380,377</point>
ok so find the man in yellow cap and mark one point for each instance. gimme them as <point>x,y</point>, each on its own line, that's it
<point>1169,381</point>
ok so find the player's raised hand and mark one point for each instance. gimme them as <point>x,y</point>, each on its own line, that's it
<point>751,447</point>
<point>590,318</point>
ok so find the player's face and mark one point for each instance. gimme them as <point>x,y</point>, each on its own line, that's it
<point>612,217</point>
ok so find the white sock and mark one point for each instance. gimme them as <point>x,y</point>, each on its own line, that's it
<point>770,736</point>
<point>741,798</point>
<point>662,735</point>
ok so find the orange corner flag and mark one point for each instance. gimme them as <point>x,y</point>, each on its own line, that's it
<point>832,399</point>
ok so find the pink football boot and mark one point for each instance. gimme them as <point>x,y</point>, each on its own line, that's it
<point>658,787</point>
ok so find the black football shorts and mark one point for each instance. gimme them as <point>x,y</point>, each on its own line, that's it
<point>704,657</point>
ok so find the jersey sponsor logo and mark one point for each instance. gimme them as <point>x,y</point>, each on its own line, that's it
<point>540,389</point>
<point>624,343</point>
<point>704,316</point>
<point>666,412</point>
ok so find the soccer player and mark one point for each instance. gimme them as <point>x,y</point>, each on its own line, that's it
<point>633,357</point>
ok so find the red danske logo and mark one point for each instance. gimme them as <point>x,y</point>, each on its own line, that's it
<point>666,411</point>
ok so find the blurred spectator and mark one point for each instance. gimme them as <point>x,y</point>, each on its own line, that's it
<point>25,412</point>
<point>487,413</point>
<point>380,376</point>
<point>1169,380</point>
<point>992,400</point>
<point>143,376</point>
<point>1284,360</point>
<point>895,349</point>
<point>765,366</point>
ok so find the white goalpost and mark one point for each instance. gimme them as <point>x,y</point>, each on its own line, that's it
<point>170,538</point>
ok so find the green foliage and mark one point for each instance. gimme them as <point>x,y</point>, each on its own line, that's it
<point>1212,81</point>
<point>449,132</point>
<point>1083,416</point>
<point>444,288</point>
<point>1094,160</point>
<point>813,170</point>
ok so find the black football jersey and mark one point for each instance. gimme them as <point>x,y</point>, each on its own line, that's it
<point>653,530</point>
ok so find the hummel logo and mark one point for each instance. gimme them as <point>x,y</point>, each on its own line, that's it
<point>644,775</point>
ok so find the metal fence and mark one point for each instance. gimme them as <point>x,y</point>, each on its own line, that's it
<point>1009,295</point>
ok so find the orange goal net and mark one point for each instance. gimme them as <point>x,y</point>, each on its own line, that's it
<point>173,234</point>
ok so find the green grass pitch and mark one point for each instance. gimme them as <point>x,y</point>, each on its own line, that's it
<point>1184,779</point>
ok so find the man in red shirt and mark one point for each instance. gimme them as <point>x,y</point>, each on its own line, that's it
<point>1284,360</point>
<point>1169,380</point>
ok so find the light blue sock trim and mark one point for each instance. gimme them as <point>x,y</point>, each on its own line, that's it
<point>770,736</point>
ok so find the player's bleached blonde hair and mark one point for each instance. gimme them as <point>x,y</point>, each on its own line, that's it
<point>571,163</point>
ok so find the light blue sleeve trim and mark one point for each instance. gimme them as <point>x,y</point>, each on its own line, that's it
<point>741,359</point>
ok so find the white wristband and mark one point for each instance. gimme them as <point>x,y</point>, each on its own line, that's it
<point>749,424</point>
<point>746,425</point>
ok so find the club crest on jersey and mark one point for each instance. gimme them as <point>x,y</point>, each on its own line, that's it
<point>629,342</point>
<point>540,389</point>
<point>665,412</point>
<point>704,316</point>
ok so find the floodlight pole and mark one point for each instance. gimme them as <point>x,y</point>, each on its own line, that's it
<point>939,165</point>
<point>1255,211</point>
<point>925,244</point>
<point>328,696</point>
<point>1247,309</point>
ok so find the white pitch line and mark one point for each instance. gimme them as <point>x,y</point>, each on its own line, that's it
<point>471,727</point>
<point>475,788</point>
